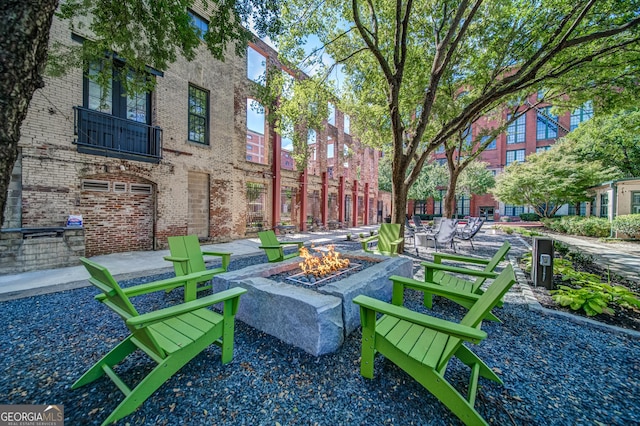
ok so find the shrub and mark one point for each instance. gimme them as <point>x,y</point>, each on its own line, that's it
<point>529,217</point>
<point>578,225</point>
<point>628,224</point>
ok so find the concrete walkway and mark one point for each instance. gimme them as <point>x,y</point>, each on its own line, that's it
<point>140,263</point>
<point>622,258</point>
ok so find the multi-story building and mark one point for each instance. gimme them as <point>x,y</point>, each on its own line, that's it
<point>536,130</point>
<point>195,156</point>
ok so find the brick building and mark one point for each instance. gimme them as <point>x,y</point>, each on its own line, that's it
<point>187,158</point>
<point>536,130</point>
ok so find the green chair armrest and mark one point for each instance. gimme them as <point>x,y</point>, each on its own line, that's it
<point>438,257</point>
<point>172,311</point>
<point>290,243</point>
<point>429,267</point>
<point>270,247</point>
<point>400,283</point>
<point>161,285</point>
<point>369,239</point>
<point>176,259</point>
<point>226,257</point>
<point>456,330</point>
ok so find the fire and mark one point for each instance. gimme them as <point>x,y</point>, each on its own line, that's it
<point>330,261</point>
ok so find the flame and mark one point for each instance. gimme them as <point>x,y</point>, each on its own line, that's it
<point>329,261</point>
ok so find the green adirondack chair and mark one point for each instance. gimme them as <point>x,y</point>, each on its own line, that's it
<point>171,336</point>
<point>389,240</point>
<point>275,249</point>
<point>460,290</point>
<point>423,346</point>
<point>188,257</point>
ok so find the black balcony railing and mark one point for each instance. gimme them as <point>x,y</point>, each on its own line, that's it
<point>104,134</point>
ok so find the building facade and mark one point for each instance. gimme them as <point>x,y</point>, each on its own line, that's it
<point>192,157</point>
<point>536,130</point>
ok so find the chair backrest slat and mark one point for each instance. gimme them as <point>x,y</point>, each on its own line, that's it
<point>479,310</point>
<point>493,263</point>
<point>187,246</point>
<point>268,238</point>
<point>388,232</point>
<point>118,302</point>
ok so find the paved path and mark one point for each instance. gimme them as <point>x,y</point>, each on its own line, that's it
<point>140,263</point>
<point>623,259</point>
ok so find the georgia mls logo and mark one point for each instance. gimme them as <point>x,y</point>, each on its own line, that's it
<point>31,415</point>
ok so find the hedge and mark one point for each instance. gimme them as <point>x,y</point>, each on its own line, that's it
<point>578,225</point>
<point>628,224</point>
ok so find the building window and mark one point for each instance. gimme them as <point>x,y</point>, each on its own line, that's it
<point>331,117</point>
<point>547,124</point>
<point>511,210</point>
<point>581,114</point>
<point>515,155</point>
<point>330,147</point>
<point>491,145</point>
<point>255,128</point>
<point>114,99</point>
<point>467,134</point>
<point>604,205</point>
<point>543,148</point>
<point>199,24</point>
<point>516,130</point>
<point>463,205</point>
<point>635,202</point>
<point>256,66</point>
<point>420,207</point>
<point>198,115</point>
<point>256,202</point>
<point>437,204</point>
<point>347,124</point>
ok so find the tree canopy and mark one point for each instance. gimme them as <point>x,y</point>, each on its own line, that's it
<point>612,139</point>
<point>140,33</point>
<point>419,72</point>
<point>550,179</point>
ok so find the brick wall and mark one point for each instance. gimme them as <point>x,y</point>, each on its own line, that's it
<point>49,181</point>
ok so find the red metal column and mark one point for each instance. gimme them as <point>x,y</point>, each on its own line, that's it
<point>277,179</point>
<point>302,193</point>
<point>324,207</point>
<point>354,221</point>
<point>366,203</point>
<point>341,199</point>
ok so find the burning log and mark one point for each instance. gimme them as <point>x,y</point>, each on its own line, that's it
<point>325,264</point>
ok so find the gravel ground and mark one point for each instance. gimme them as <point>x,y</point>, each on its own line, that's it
<point>555,372</point>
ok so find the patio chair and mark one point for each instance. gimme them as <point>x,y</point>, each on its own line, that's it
<point>409,230</point>
<point>468,232</point>
<point>463,291</point>
<point>388,238</point>
<point>444,235</point>
<point>187,257</point>
<point>420,227</point>
<point>422,345</point>
<point>275,249</point>
<point>171,337</point>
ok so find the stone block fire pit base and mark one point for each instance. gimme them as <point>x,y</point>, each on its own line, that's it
<point>314,320</point>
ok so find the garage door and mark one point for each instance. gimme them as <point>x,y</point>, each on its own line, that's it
<point>118,215</point>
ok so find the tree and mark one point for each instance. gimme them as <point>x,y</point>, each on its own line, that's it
<point>108,27</point>
<point>549,179</point>
<point>408,62</point>
<point>612,139</point>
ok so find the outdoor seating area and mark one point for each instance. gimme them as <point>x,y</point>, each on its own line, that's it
<point>426,360</point>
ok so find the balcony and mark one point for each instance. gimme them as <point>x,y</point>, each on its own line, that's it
<point>103,134</point>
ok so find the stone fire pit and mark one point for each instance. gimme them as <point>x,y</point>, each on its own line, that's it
<point>316,320</point>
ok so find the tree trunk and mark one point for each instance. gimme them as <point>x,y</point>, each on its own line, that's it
<point>450,196</point>
<point>24,42</point>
